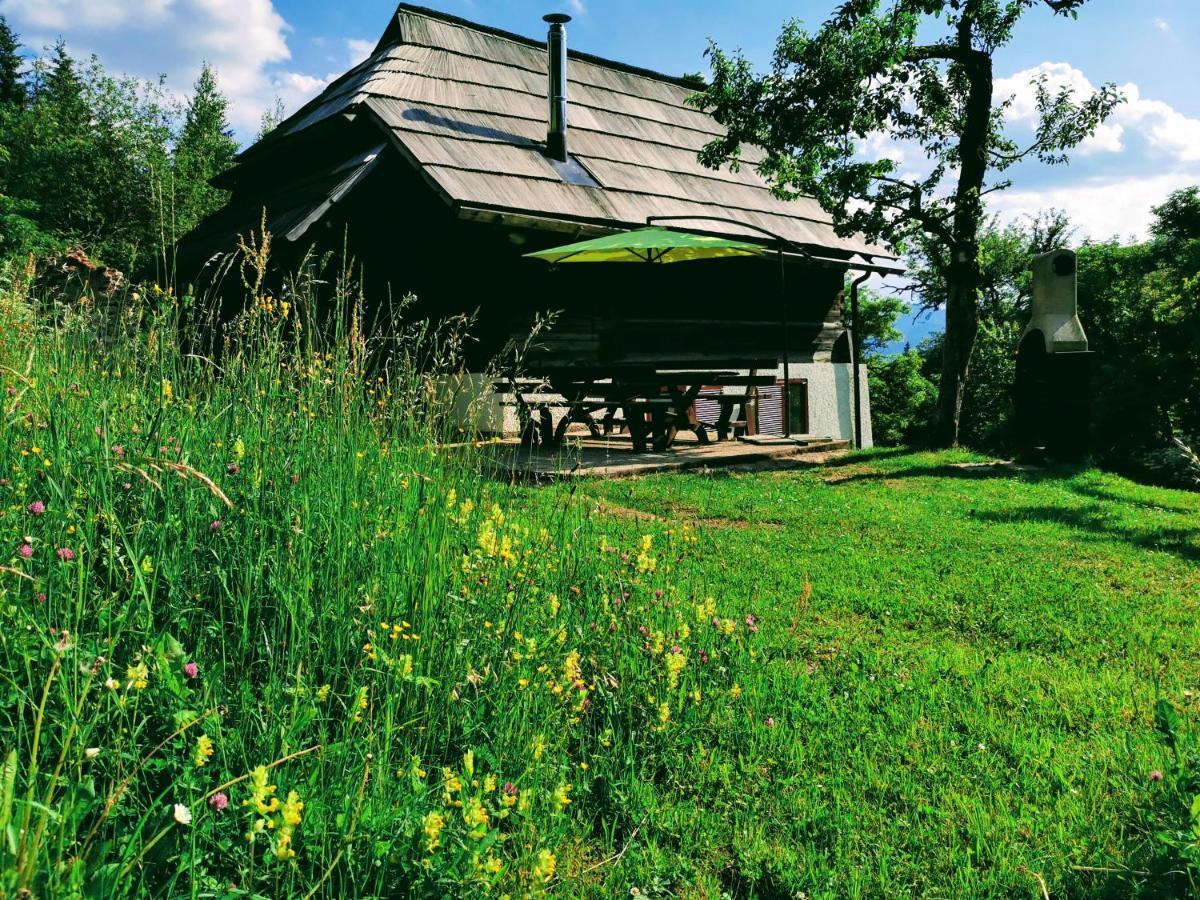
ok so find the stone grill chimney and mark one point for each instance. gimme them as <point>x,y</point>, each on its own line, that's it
<point>1054,367</point>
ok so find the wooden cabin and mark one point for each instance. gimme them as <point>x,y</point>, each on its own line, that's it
<point>437,163</point>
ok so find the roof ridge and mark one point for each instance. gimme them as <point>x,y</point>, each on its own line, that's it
<point>391,37</point>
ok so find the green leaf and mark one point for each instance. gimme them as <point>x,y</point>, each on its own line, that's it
<point>8,782</point>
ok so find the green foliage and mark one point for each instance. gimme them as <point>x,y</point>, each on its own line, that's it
<point>877,315</point>
<point>112,163</point>
<point>902,398</point>
<point>271,118</point>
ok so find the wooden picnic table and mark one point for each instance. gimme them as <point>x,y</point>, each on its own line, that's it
<point>656,402</point>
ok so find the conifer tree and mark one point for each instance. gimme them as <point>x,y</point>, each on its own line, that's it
<point>205,148</point>
<point>12,86</point>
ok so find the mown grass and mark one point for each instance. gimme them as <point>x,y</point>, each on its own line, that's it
<point>886,676</point>
<point>963,663</point>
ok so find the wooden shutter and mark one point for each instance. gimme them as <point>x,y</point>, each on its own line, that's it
<point>770,409</point>
<point>707,408</point>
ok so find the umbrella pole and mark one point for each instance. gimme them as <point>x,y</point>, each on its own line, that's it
<point>787,380</point>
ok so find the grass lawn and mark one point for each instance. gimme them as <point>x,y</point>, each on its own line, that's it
<point>962,665</point>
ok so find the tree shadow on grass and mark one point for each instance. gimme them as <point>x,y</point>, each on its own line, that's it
<point>1181,542</point>
<point>963,471</point>
<point>1108,495</point>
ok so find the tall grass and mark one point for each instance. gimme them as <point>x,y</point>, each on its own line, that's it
<point>266,629</point>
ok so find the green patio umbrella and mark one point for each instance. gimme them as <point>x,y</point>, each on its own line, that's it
<point>648,245</point>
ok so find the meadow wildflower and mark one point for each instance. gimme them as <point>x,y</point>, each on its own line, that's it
<point>291,817</point>
<point>538,746</point>
<point>36,508</point>
<point>183,815</point>
<point>562,796</point>
<point>262,792</point>
<point>543,868</point>
<point>91,752</point>
<point>476,818</point>
<point>508,794</point>
<point>675,662</point>
<point>26,551</point>
<point>323,693</point>
<point>218,801</point>
<point>1156,775</point>
<point>769,721</point>
<point>204,750</point>
<point>137,677</point>
<point>233,469</point>
<point>360,704</point>
<point>190,669</point>
<point>215,525</point>
<point>66,554</point>
<point>432,826</point>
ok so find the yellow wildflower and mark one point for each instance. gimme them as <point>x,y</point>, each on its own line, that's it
<point>360,705</point>
<point>538,747</point>
<point>543,867</point>
<point>675,663</point>
<point>261,793</point>
<point>432,826</point>
<point>138,677</point>
<point>562,796</point>
<point>476,818</point>
<point>204,749</point>
<point>292,808</point>
<point>323,693</point>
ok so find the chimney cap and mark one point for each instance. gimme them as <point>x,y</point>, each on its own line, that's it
<point>557,18</point>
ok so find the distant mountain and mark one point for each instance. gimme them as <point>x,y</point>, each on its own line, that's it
<point>916,327</point>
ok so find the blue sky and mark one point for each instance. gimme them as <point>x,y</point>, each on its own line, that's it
<point>291,48</point>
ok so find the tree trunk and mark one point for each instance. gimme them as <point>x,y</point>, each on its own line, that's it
<point>962,326</point>
<point>963,277</point>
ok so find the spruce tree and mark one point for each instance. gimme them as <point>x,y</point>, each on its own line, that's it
<point>12,86</point>
<point>205,148</point>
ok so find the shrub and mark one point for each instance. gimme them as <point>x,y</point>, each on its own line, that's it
<point>902,399</point>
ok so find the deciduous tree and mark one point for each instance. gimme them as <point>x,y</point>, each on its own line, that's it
<point>916,71</point>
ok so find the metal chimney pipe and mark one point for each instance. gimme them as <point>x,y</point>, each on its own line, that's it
<point>556,45</point>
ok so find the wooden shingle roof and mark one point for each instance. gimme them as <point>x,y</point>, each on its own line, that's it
<point>467,105</point>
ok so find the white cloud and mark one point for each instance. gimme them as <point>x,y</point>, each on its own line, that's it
<point>1163,128</point>
<point>577,7</point>
<point>359,50</point>
<point>1162,25</point>
<point>244,40</point>
<point>1100,207</point>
